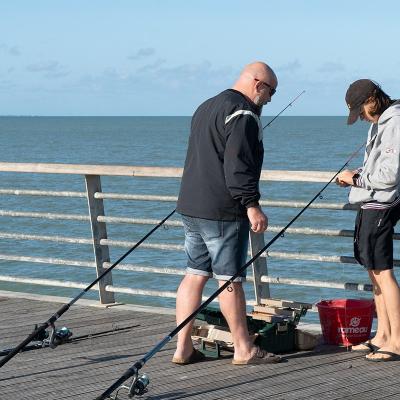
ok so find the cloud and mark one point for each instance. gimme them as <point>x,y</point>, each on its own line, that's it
<point>51,69</point>
<point>331,67</point>
<point>289,67</point>
<point>143,53</point>
<point>5,85</point>
<point>151,67</point>
<point>11,50</point>
<point>158,77</point>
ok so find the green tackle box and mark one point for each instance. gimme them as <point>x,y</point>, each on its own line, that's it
<point>275,337</point>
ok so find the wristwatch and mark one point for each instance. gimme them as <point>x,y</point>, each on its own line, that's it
<point>354,178</point>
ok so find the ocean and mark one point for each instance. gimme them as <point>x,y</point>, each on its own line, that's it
<point>291,143</point>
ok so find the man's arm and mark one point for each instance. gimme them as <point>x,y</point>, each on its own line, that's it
<point>242,168</point>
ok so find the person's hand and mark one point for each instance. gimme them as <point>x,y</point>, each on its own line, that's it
<point>345,178</point>
<point>258,220</point>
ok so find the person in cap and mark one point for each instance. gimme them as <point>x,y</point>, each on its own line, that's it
<point>375,187</point>
<point>218,202</point>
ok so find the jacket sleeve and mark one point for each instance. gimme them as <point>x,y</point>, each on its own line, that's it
<point>243,159</point>
<point>386,175</point>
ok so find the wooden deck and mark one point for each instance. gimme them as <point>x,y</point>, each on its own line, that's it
<point>85,368</point>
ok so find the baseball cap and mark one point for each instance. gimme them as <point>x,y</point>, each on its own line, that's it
<point>356,95</point>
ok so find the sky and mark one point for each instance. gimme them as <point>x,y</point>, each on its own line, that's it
<point>165,57</point>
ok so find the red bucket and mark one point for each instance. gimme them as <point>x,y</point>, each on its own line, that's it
<point>346,321</point>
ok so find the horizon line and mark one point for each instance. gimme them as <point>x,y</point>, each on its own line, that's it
<point>142,116</point>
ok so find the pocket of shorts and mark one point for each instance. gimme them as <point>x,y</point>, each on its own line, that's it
<point>211,229</point>
<point>189,225</point>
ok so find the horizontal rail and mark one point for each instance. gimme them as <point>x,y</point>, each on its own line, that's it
<point>85,169</point>
<point>139,197</point>
<point>75,217</point>
<point>181,271</point>
<point>26,192</point>
<point>47,260</point>
<point>90,264</point>
<point>164,172</point>
<point>172,199</point>
<point>79,285</point>
<point>138,221</point>
<point>173,223</point>
<point>45,282</point>
<point>177,247</point>
<point>156,293</point>
<point>57,239</point>
<point>322,284</point>
<point>302,204</point>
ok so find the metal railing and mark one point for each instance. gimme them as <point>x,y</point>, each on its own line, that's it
<point>101,243</point>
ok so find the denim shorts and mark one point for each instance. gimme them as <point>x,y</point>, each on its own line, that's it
<point>216,248</point>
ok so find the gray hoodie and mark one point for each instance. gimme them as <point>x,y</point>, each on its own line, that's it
<point>380,175</point>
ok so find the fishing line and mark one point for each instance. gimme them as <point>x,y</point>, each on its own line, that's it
<point>50,322</point>
<point>289,105</point>
<point>136,387</point>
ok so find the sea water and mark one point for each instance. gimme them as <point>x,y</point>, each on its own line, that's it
<point>291,143</point>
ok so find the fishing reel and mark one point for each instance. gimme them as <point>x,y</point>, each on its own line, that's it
<point>138,386</point>
<point>40,336</point>
<point>58,336</point>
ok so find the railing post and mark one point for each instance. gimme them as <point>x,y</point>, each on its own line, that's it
<point>99,231</point>
<point>261,289</point>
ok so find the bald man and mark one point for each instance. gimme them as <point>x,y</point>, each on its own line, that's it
<point>218,202</point>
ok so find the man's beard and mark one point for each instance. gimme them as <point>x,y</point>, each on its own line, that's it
<point>258,102</point>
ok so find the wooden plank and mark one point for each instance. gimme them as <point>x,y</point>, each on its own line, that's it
<point>275,311</point>
<point>267,317</point>
<point>285,303</point>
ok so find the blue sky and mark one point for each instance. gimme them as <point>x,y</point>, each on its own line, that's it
<point>165,57</point>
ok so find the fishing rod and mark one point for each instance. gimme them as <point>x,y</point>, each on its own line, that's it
<point>139,384</point>
<point>63,336</point>
<point>39,329</point>
<point>289,105</point>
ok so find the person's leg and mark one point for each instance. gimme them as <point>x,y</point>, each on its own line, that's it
<point>391,295</point>
<point>382,336</point>
<point>190,290</point>
<point>187,300</point>
<point>373,248</point>
<point>233,307</point>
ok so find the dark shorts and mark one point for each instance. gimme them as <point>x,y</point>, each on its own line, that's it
<point>373,237</point>
<point>216,248</point>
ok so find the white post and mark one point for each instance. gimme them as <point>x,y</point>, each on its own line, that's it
<point>261,289</point>
<point>99,231</point>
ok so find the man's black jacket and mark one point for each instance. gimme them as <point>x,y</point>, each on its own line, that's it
<point>224,159</point>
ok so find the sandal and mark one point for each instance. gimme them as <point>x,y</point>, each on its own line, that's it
<point>390,356</point>
<point>363,347</point>
<point>195,357</point>
<point>260,357</point>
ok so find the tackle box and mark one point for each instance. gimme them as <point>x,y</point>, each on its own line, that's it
<point>275,337</point>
